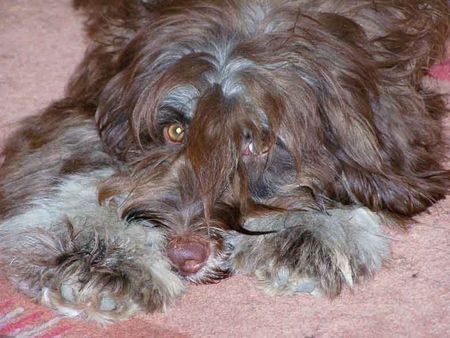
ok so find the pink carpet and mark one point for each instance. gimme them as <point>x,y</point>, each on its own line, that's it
<point>40,43</point>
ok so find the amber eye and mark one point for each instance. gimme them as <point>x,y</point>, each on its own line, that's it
<point>174,133</point>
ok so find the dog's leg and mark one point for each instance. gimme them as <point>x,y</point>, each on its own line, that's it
<point>312,252</point>
<point>78,257</point>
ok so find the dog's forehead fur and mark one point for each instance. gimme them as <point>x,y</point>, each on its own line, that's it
<point>298,75</point>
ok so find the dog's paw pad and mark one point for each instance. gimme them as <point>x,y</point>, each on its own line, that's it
<point>107,304</point>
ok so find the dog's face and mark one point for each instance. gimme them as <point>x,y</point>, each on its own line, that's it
<point>196,111</point>
<point>226,111</point>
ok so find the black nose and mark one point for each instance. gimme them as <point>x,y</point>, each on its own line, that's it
<point>188,255</point>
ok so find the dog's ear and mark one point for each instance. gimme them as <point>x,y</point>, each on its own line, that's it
<point>110,19</point>
<point>411,145</point>
<point>384,134</point>
<point>110,25</point>
<point>383,155</point>
<point>381,169</point>
<point>385,142</point>
<point>369,136</point>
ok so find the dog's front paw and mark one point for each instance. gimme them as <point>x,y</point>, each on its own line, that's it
<point>316,253</point>
<point>109,281</point>
<point>92,277</point>
<point>102,279</point>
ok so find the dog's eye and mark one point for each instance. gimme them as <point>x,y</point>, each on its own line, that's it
<point>174,133</point>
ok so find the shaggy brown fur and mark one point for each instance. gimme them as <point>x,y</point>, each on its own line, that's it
<point>303,126</point>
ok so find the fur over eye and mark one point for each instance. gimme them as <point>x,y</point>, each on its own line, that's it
<point>174,133</point>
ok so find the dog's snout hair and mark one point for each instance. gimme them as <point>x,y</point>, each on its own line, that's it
<point>214,145</point>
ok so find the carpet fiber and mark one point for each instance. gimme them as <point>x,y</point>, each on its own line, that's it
<point>41,42</point>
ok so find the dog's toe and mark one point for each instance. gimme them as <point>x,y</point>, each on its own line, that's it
<point>68,292</point>
<point>284,281</point>
<point>107,304</point>
<point>306,285</point>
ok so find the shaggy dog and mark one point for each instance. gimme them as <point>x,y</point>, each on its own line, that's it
<point>198,139</point>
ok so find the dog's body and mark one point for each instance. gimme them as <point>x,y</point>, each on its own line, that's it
<point>203,138</point>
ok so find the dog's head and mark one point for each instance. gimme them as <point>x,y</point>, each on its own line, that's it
<point>227,110</point>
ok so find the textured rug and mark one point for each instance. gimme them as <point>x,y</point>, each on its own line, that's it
<point>41,42</point>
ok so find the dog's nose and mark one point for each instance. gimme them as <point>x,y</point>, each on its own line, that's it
<point>189,256</point>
